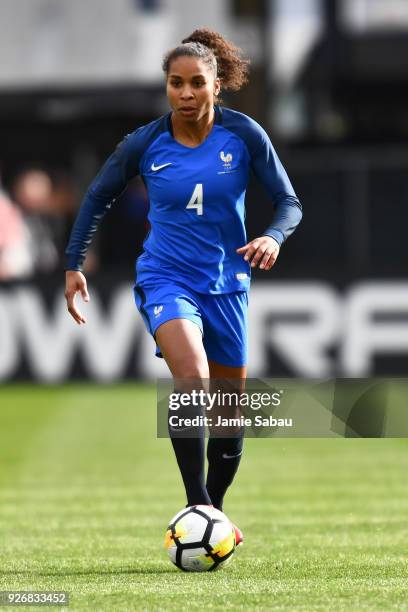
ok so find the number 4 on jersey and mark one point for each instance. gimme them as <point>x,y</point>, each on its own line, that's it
<point>196,200</point>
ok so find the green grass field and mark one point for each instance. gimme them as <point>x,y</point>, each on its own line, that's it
<point>86,491</point>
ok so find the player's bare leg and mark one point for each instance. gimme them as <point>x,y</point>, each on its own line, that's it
<point>181,344</point>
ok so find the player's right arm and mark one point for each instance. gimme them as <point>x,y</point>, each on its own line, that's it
<point>75,282</point>
<point>110,182</point>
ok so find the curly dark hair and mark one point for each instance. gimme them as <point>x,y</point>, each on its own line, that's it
<point>223,57</point>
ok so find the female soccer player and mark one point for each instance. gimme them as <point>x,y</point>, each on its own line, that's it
<point>193,276</point>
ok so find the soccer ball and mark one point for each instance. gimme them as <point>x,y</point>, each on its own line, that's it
<point>200,539</point>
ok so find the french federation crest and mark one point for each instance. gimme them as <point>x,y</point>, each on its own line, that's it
<point>226,158</point>
<point>157,310</point>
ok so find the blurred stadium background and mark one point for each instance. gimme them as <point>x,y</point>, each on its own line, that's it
<point>328,81</point>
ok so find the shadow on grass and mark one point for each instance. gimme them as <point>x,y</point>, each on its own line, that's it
<point>89,572</point>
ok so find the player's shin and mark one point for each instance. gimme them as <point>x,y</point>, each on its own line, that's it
<point>187,434</point>
<point>224,456</point>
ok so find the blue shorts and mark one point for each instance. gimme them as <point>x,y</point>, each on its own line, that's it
<point>222,318</point>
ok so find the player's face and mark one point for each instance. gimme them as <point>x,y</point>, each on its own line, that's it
<point>191,88</point>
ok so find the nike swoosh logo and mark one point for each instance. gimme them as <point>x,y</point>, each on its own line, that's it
<point>225,456</point>
<point>156,168</point>
<point>180,428</point>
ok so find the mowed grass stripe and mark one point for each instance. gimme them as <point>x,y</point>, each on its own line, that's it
<point>325,520</point>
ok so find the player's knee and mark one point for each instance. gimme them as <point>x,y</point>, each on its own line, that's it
<point>190,367</point>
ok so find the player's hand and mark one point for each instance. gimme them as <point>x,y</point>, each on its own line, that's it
<point>75,282</point>
<point>262,252</point>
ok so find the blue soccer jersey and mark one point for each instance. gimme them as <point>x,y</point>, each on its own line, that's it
<point>197,200</point>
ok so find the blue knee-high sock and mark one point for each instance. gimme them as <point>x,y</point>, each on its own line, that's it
<point>189,448</point>
<point>224,456</point>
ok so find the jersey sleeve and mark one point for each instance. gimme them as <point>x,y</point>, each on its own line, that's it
<point>271,174</point>
<point>110,182</point>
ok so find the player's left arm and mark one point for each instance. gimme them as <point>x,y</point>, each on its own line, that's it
<point>264,250</point>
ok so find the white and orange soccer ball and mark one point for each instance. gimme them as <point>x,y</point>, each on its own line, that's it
<point>200,539</point>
